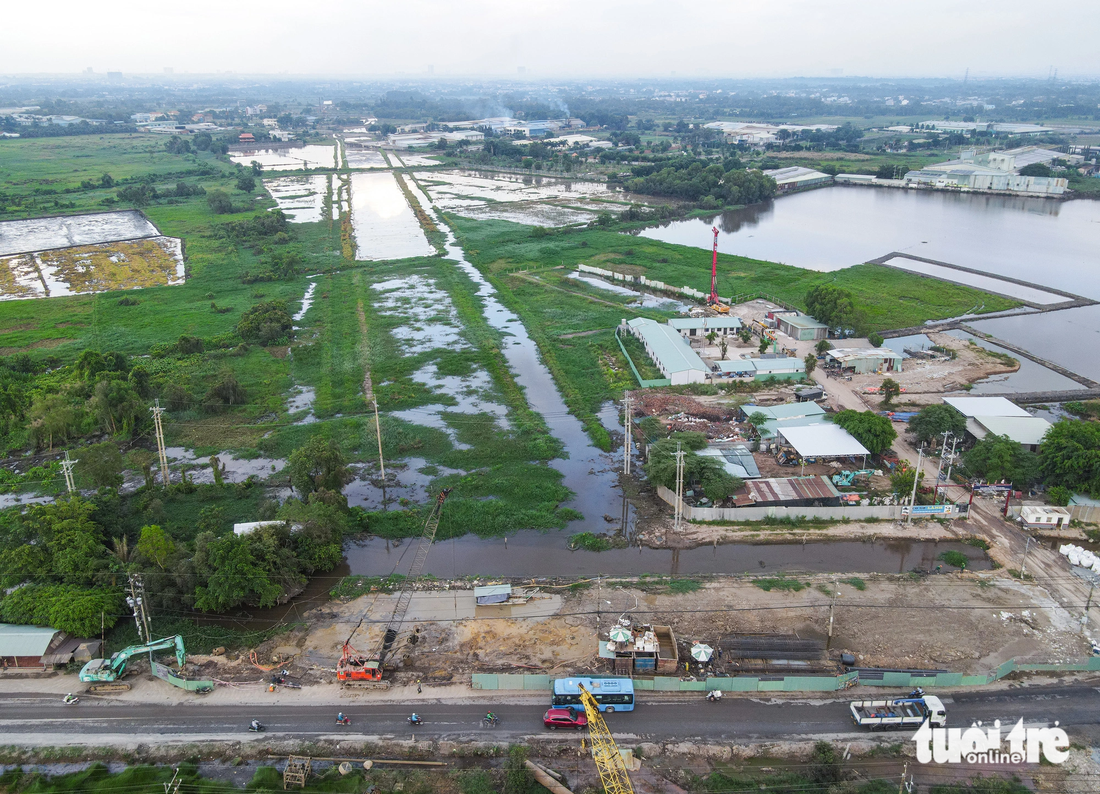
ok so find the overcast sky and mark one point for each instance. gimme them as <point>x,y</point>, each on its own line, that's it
<point>555,38</point>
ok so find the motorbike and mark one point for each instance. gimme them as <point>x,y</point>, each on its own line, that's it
<point>414,720</point>
<point>257,727</point>
<point>343,719</point>
<point>71,699</point>
<point>714,696</point>
<point>917,693</point>
<point>490,722</point>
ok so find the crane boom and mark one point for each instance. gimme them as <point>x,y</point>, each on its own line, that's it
<point>609,761</point>
<point>712,299</point>
<point>355,666</point>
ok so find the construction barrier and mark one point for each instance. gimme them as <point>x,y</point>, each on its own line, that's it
<point>799,683</point>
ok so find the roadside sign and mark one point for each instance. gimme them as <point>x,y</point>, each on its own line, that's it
<point>929,510</point>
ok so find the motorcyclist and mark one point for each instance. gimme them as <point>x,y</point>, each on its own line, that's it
<point>714,695</point>
<point>255,725</point>
<point>490,716</point>
<point>917,693</point>
<point>343,719</point>
<point>415,718</point>
<point>70,698</point>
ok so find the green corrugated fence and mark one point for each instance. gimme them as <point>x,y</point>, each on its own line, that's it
<point>798,683</point>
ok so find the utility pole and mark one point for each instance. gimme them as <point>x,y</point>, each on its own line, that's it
<point>950,465</point>
<point>626,445</point>
<point>159,427</point>
<point>173,786</point>
<point>1023,563</point>
<point>136,601</point>
<point>378,432</point>
<point>1088,604</point>
<point>904,772</point>
<point>916,479</point>
<point>939,469</point>
<point>67,470</point>
<point>679,484</point>
<point>832,606</point>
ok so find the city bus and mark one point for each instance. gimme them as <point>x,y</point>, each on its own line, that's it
<point>613,694</point>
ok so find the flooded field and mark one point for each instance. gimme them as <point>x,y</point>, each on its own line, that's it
<point>1031,377</point>
<point>289,159</point>
<point>235,469</point>
<point>64,231</point>
<point>384,224</point>
<point>530,214</point>
<point>414,160</point>
<point>359,157</point>
<point>83,269</point>
<point>1051,243</point>
<point>448,187</point>
<point>1065,337</point>
<point>644,299</point>
<point>547,554</point>
<point>302,198</point>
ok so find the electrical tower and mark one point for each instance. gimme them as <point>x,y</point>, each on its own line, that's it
<point>67,470</point>
<point>712,299</point>
<point>159,428</point>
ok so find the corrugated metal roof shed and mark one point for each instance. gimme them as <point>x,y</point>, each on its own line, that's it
<point>492,594</point>
<point>706,323</point>
<point>1028,430</point>
<point>985,406</point>
<point>778,364</point>
<point>772,426</point>
<point>739,366</point>
<point>738,460</point>
<point>666,344</point>
<point>801,321</point>
<point>784,411</point>
<point>24,640</point>
<point>824,440</point>
<point>788,489</point>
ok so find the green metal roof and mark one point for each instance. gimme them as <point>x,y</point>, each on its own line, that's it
<point>24,640</point>
<point>784,411</point>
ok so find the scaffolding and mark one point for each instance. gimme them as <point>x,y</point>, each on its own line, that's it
<point>298,769</point>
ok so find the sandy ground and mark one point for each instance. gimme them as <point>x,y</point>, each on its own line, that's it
<point>963,622</point>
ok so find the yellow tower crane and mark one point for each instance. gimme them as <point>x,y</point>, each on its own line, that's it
<point>609,761</point>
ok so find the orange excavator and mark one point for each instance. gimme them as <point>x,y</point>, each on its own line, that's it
<point>356,665</point>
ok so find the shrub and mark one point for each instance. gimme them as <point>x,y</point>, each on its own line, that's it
<point>954,558</point>
<point>266,323</point>
<point>219,202</point>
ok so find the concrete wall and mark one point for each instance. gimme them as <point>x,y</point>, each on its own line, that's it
<point>1090,514</point>
<point>691,513</point>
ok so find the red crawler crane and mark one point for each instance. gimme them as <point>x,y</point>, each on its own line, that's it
<point>713,298</point>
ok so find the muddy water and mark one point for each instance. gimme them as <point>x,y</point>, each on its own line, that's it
<point>384,224</point>
<point>1030,377</point>
<point>586,471</point>
<point>538,554</point>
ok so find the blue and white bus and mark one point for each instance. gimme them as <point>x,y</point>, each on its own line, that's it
<point>613,694</point>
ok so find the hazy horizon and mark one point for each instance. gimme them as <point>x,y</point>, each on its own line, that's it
<point>494,39</point>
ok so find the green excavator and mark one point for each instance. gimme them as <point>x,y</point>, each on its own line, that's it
<point>104,674</point>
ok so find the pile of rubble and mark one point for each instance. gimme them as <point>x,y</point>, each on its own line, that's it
<point>686,414</point>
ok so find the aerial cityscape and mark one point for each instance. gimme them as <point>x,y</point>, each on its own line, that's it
<point>535,402</point>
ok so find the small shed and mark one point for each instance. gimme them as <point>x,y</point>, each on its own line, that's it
<point>492,594</point>
<point>1042,517</point>
<point>24,646</point>
<point>812,491</point>
<point>809,394</point>
<point>863,360</point>
<point>802,327</point>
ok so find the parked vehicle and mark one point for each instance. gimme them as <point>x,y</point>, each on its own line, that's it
<point>900,713</point>
<point>564,718</point>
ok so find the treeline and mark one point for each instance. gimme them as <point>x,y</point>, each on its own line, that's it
<point>707,185</point>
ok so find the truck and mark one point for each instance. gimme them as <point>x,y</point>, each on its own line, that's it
<point>900,713</point>
<point>104,674</point>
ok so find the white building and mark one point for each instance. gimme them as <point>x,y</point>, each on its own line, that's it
<point>797,177</point>
<point>670,352</point>
<point>1000,417</point>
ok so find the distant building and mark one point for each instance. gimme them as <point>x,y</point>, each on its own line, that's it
<point>801,327</point>
<point>864,360</point>
<point>246,137</point>
<point>796,177</point>
<point>281,135</point>
<point>270,122</point>
<point>421,139</point>
<point>760,134</point>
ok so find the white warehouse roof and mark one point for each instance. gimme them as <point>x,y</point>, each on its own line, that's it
<point>985,406</point>
<point>671,352</point>
<point>1026,430</point>
<point>824,440</point>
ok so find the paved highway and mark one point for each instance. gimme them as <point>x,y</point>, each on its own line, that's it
<point>42,719</point>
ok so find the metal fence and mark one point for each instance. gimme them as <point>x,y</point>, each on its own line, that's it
<point>799,683</point>
<point>856,513</point>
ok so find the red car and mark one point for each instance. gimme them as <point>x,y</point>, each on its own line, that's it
<point>564,718</point>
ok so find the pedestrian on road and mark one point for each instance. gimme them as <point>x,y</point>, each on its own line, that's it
<point>418,689</point>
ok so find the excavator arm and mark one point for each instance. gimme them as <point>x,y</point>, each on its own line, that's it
<point>113,668</point>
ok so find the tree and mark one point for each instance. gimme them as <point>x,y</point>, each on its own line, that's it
<point>823,346</point>
<point>1070,456</point>
<point>155,546</point>
<point>317,464</point>
<point>997,458</point>
<point>810,363</point>
<point>935,420</point>
<point>1035,169</point>
<point>118,407</point>
<point>833,306</point>
<point>266,323</point>
<point>890,389</point>
<point>230,575</point>
<point>723,348</point>
<point>711,336</point>
<point>902,481</point>
<point>102,465</point>
<point>1059,495</point>
<point>744,334</point>
<point>758,419</point>
<point>660,467</point>
<point>226,393</point>
<point>764,343</point>
<point>246,183</point>
<point>875,339</point>
<point>52,417</point>
<point>874,432</point>
<point>219,202</point>
<point>202,141</point>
